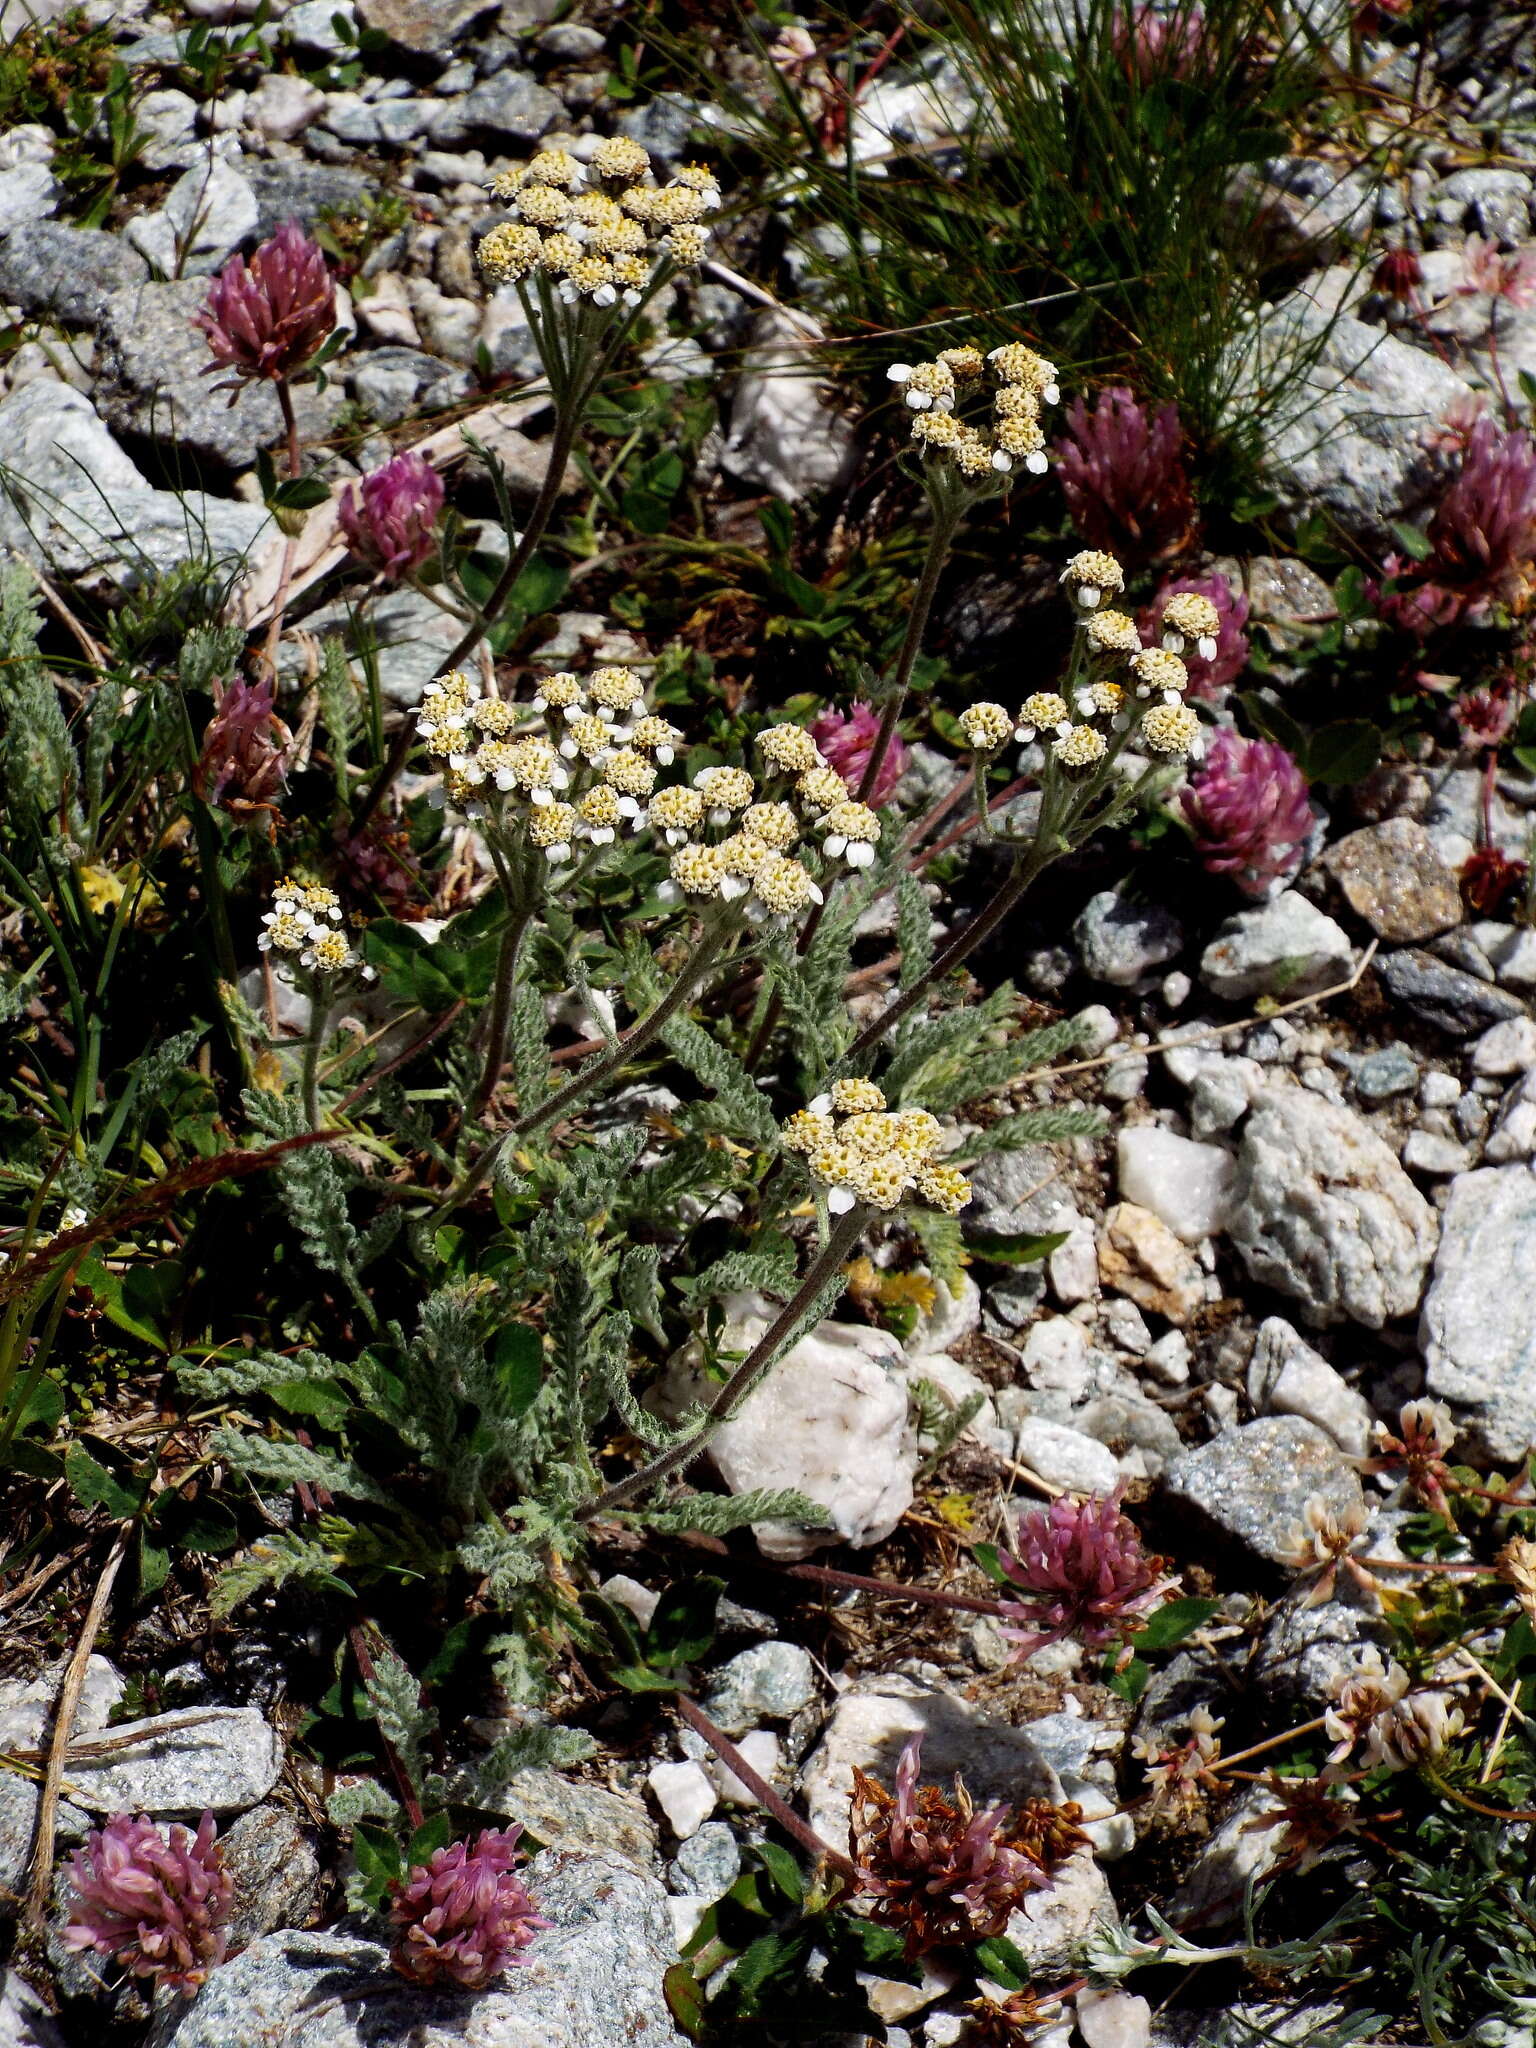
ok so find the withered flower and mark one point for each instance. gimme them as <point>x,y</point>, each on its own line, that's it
<point>1425,1432</point>
<point>245,749</point>
<point>940,1871</point>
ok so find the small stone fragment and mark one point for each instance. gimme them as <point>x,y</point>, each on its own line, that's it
<point>1287,1377</point>
<point>1286,947</point>
<point>1394,877</point>
<point>1253,1482</point>
<point>684,1794</point>
<point>1186,1185</point>
<point>1122,942</point>
<point>1141,1258</point>
<point>1450,999</point>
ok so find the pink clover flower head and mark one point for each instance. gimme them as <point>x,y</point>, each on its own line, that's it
<point>846,743</point>
<point>1083,1573</point>
<point>464,1916</point>
<point>1249,811</point>
<point>1153,43</point>
<point>391,524</point>
<point>156,1902</point>
<point>1482,538</point>
<point>1122,472</point>
<point>266,318</point>
<point>1207,679</point>
<point>245,748</point>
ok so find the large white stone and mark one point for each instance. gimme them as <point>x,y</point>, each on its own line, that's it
<point>1286,947</point>
<point>207,214</point>
<point>786,436</point>
<point>1322,1212</point>
<point>1478,1329</point>
<point>684,1794</point>
<point>1065,1457</point>
<point>1186,1184</point>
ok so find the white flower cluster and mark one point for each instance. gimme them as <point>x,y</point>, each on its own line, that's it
<point>304,921</point>
<point>590,770</point>
<point>996,436</point>
<point>863,1152</point>
<point>600,230</point>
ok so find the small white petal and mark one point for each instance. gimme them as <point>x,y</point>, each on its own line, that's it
<point>840,1201</point>
<point>1037,462</point>
<point>1002,461</point>
<point>899,373</point>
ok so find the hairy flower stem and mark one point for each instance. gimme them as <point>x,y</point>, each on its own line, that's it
<point>520,887</point>
<point>763,1356</point>
<point>633,1041</point>
<point>291,542</point>
<point>798,1830</point>
<point>319,1017</point>
<point>948,511</point>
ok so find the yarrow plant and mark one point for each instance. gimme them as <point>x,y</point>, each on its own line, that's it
<point>1211,674</point>
<point>1249,812</point>
<point>464,1917</point>
<point>1080,1571</point>
<point>157,1902</point>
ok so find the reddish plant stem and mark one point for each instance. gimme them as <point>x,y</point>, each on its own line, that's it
<point>398,1772</point>
<point>886,1589</point>
<point>762,1791</point>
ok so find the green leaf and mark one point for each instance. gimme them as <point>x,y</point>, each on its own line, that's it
<point>1130,1683</point>
<point>1413,540</point>
<point>299,494</point>
<point>685,2000</point>
<point>433,1834</point>
<point>517,1352</point>
<point>1343,752</point>
<point>986,1555</point>
<point>377,1855</point>
<point>154,1564</point>
<point>110,1293</point>
<point>1020,1248</point>
<point>772,1960</point>
<point>1174,1621</point>
<point>408,966</point>
<point>683,1626</point>
<point>783,1870</point>
<point>1349,592</point>
<point>321,1398</point>
<point>1272,723</point>
<point>42,1409</point>
<point>207,1527</point>
<point>1000,1960</point>
<point>94,1485</point>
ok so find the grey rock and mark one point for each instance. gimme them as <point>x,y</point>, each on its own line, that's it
<point>1514,1136</point>
<point>1013,1192</point>
<point>71,500</point>
<point>312,26</point>
<point>769,1682</point>
<point>591,1979</point>
<point>1282,592</point>
<point>1454,814</point>
<point>18,1819</point>
<point>152,364</point>
<point>1252,1483</point>
<point>1312,208</point>
<point>28,192</point>
<point>510,106</point>
<point>169,121</point>
<point>65,272</point>
<point>1434,1154</point>
<point>429,28</point>
<point>1284,947</point>
<point>664,125</point>
<point>1052,1925</point>
<point>1065,1457</point>
<point>1322,1212</point>
<point>411,638</point>
<point>1393,876</point>
<point>1348,441</point>
<point>24,2019</point>
<point>1142,1437</point>
<point>389,383</point>
<point>1478,1329</point>
<point>1186,1184</point>
<point>708,1863</point>
<point>571,42</point>
<point>1305,1651</point>
<point>223,1758</point>
<point>1379,1075</point>
<point>571,1814</point>
<point>1287,1377</point>
<point>786,433</point>
<point>1446,997</point>
<point>1121,942</point>
<point>1508,1048</point>
<point>1498,202</point>
<point>27,1705</point>
<point>292,188</point>
<point>208,213</point>
<point>275,1871</point>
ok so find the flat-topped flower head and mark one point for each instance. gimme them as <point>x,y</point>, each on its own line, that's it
<point>941,430</point>
<point>1189,616</point>
<point>588,737</point>
<point>696,872</point>
<point>328,953</point>
<point>986,727</point>
<point>617,160</point>
<point>601,812</point>
<point>925,386</point>
<point>699,178</point>
<point>510,252</point>
<point>443,716</point>
<point>534,767</point>
<point>852,834</point>
<point>1013,363</point>
<point>550,829</point>
<point>492,717</point>
<point>1091,576</point>
<point>560,692</point>
<point>1020,440</point>
<point>1111,632</point>
<point>788,750</point>
<point>1100,700</point>
<point>820,788</point>
<point>1172,729</point>
<point>862,1152</point>
<point>657,737</point>
<point>1156,669</point>
<point>1080,746</point>
<point>781,889</point>
<point>544,206</point>
<point>615,692</point>
<point>675,813</point>
<point>686,245</point>
<point>774,824</point>
<point>740,858</point>
<point>1016,402</point>
<point>630,772</point>
<point>725,790</point>
<point>964,363</point>
<point>1043,711</point>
